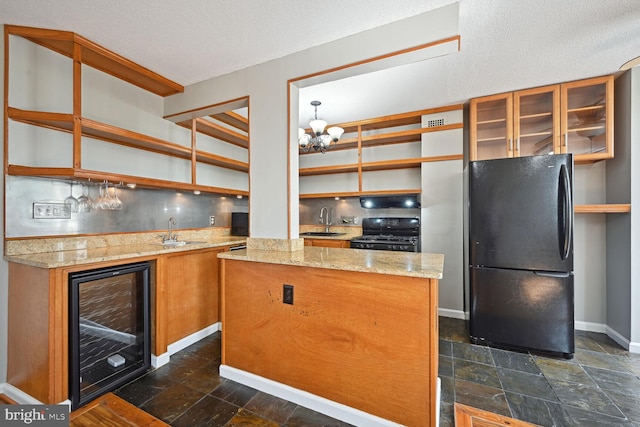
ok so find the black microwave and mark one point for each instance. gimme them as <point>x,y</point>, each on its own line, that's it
<point>239,224</point>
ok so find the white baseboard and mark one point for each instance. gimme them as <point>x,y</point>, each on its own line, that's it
<point>18,395</point>
<point>438,399</point>
<point>162,359</point>
<point>447,312</point>
<point>319,404</point>
<point>193,338</point>
<point>633,347</point>
<point>590,327</point>
<point>580,325</point>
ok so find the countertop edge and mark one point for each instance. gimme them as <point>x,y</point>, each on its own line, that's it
<point>75,257</point>
<point>407,264</point>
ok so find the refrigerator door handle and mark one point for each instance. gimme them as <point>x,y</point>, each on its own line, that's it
<point>552,274</point>
<point>567,211</point>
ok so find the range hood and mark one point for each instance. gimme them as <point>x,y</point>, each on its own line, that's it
<point>405,201</point>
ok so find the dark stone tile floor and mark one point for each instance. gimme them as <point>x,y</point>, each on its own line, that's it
<point>600,386</point>
<point>189,392</point>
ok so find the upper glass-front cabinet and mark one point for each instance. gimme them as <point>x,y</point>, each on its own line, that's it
<point>575,117</point>
<point>491,127</point>
<point>587,118</point>
<point>536,121</point>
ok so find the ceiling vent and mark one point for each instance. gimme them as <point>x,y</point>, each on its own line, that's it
<point>435,122</point>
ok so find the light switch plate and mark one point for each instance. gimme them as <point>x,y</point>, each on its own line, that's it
<point>51,210</point>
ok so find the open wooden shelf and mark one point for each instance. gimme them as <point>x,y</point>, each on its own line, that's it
<point>98,57</point>
<point>390,122</point>
<point>604,208</point>
<point>359,193</point>
<point>388,133</point>
<point>223,162</point>
<point>233,119</point>
<point>217,131</point>
<point>415,162</point>
<point>83,51</point>
<point>400,137</point>
<point>94,129</point>
<point>99,176</point>
<point>327,170</point>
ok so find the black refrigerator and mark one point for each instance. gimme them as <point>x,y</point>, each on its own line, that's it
<point>520,291</point>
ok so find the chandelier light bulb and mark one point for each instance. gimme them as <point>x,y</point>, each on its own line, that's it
<point>335,133</point>
<point>317,126</point>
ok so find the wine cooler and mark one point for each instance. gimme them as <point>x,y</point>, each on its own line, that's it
<point>109,339</point>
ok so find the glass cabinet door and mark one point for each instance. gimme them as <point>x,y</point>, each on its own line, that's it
<point>537,121</point>
<point>491,127</point>
<point>587,118</point>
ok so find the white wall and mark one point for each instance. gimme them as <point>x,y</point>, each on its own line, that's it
<point>273,191</point>
<point>623,238</point>
<point>442,209</point>
<point>589,248</point>
<point>4,279</point>
<point>635,214</point>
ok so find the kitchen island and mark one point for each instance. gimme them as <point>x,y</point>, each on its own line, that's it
<point>352,333</point>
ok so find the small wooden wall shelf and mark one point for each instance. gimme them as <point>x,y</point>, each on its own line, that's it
<point>605,208</point>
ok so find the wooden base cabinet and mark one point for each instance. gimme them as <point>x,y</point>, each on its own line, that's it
<point>187,295</point>
<point>38,328</point>
<point>37,343</point>
<point>185,299</point>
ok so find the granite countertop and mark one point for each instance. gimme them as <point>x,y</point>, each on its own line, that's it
<point>89,255</point>
<point>426,265</point>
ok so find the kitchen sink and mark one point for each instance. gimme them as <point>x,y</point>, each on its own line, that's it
<point>320,233</point>
<point>181,243</point>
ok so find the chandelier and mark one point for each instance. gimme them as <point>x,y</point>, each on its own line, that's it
<point>318,141</point>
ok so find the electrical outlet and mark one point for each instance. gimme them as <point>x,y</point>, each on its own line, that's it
<point>287,294</point>
<point>212,220</point>
<point>349,219</point>
<point>52,210</point>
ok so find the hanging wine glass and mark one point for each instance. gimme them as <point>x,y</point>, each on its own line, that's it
<point>117,203</point>
<point>84,201</point>
<point>101,202</point>
<point>71,201</point>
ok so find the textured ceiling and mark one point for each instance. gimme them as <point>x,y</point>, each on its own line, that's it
<point>190,41</point>
<point>506,44</point>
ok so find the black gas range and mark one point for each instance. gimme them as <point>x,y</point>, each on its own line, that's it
<point>389,234</point>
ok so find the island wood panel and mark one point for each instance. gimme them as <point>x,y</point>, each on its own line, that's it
<point>37,333</point>
<point>365,340</point>
<point>191,292</point>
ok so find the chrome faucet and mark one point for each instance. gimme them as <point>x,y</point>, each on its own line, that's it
<point>171,237</point>
<point>325,218</point>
